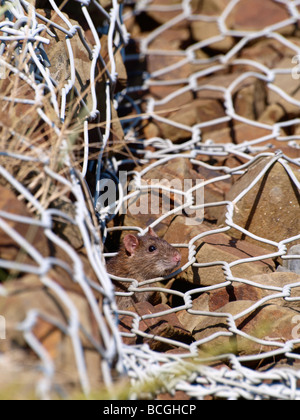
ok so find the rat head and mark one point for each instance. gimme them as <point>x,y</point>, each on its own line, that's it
<point>150,256</point>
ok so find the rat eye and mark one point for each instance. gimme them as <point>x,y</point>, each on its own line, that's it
<point>152,248</point>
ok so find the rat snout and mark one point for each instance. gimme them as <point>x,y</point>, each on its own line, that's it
<point>177,258</point>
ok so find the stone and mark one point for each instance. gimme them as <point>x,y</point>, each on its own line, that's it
<point>9,249</point>
<point>189,320</point>
<point>270,209</point>
<point>29,293</point>
<point>17,116</point>
<point>214,300</point>
<point>250,100</point>
<point>256,15</point>
<point>161,92</point>
<point>53,317</point>
<point>272,114</point>
<point>212,275</point>
<point>158,63</point>
<point>150,204</point>
<point>64,229</point>
<point>60,70</point>
<point>208,326</point>
<point>271,323</point>
<point>239,133</point>
<point>277,279</point>
<point>291,265</point>
<point>107,4</point>
<point>209,7</point>
<point>233,161</point>
<point>19,376</point>
<point>187,113</point>
<point>188,108</point>
<point>163,16</point>
<point>202,30</point>
<point>214,192</point>
<point>167,326</point>
<point>58,57</point>
<point>282,363</point>
<point>290,86</point>
<point>213,247</point>
<point>221,80</point>
<point>269,52</point>
<point>275,55</point>
<point>172,39</point>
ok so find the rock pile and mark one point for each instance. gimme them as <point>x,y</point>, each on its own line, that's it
<point>51,284</point>
<point>218,94</point>
<point>247,105</point>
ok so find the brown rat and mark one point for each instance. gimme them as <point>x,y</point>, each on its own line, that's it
<point>142,258</point>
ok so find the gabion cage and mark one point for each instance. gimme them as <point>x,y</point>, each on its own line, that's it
<point>200,91</point>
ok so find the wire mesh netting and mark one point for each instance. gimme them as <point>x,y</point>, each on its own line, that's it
<point>203,126</point>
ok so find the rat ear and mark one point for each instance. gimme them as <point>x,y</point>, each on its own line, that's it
<point>152,233</point>
<point>131,242</point>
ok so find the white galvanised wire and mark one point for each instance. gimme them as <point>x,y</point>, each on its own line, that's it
<point>73,331</point>
<point>43,387</point>
<point>165,151</point>
<point>112,349</point>
<point>140,363</point>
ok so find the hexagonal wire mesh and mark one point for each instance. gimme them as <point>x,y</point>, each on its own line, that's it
<point>24,31</point>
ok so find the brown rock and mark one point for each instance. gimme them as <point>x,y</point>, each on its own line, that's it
<point>269,323</point>
<point>214,300</point>
<point>255,15</point>
<point>214,248</point>
<point>187,113</point>
<point>57,52</point>
<point>15,115</point>
<point>214,192</point>
<point>220,79</point>
<point>269,52</point>
<point>238,133</point>
<point>148,206</point>
<point>52,321</point>
<point>282,363</point>
<point>278,280</point>
<point>107,4</point>
<point>271,208</point>
<point>60,70</point>
<point>209,7</point>
<point>189,320</point>
<point>161,92</point>
<point>211,275</point>
<point>161,63</point>
<point>290,86</point>
<point>209,325</point>
<point>167,326</point>
<point>233,161</point>
<point>19,376</point>
<point>275,54</point>
<point>202,30</point>
<point>172,39</point>
<point>65,230</point>
<point>272,114</point>
<point>9,248</point>
<point>29,293</point>
<point>250,100</point>
<point>165,16</point>
<point>178,174</point>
